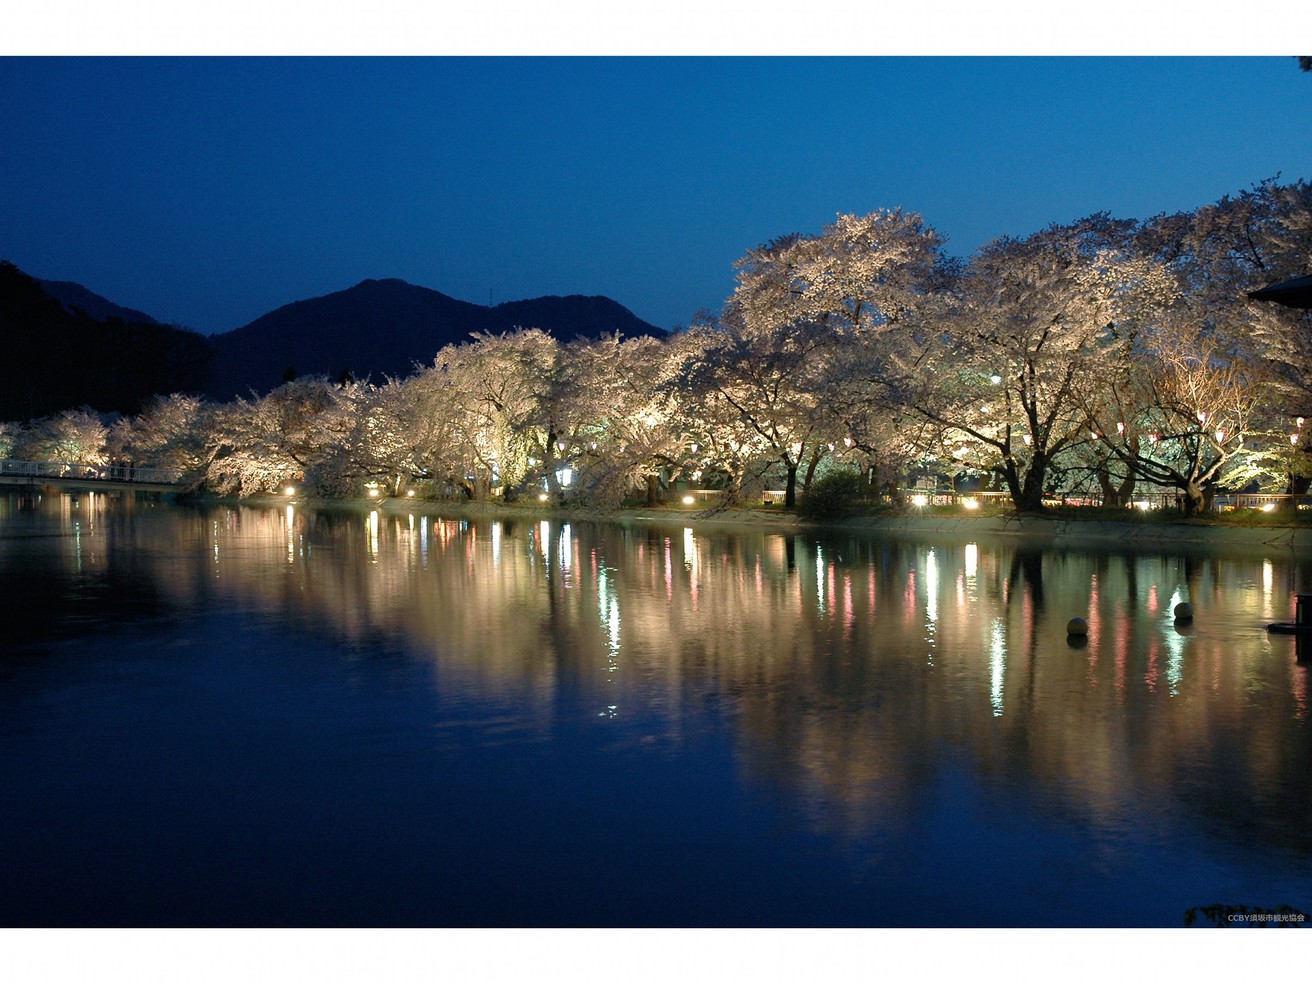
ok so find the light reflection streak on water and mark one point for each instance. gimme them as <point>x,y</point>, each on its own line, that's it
<point>1175,643</point>
<point>931,602</point>
<point>423,541</point>
<point>608,611</point>
<point>1122,636</point>
<point>291,534</point>
<point>1268,584</point>
<point>1298,687</point>
<point>1176,598</point>
<point>692,562</point>
<point>819,579</point>
<point>931,589</point>
<point>1093,619</point>
<point>566,548</point>
<point>1174,649</point>
<point>909,605</point>
<point>968,585</point>
<point>997,666</point>
<point>371,525</point>
<point>1150,675</point>
<point>496,545</point>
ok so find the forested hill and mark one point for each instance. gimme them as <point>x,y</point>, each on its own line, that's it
<point>77,298</point>
<point>57,358</point>
<point>385,327</point>
<point>68,347</point>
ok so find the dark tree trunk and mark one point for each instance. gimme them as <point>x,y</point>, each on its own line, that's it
<point>790,490</point>
<point>1026,492</point>
<point>1114,495</point>
<point>1298,485</point>
<point>810,471</point>
<point>1193,500</point>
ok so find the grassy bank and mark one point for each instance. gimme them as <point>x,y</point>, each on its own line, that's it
<point>1070,527</point>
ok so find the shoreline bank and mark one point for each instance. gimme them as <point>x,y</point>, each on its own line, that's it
<point>1060,532</point>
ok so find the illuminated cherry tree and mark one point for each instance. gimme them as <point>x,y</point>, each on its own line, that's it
<point>1221,252</point>
<point>765,366</point>
<point>170,433</point>
<point>626,430</point>
<point>74,436</point>
<point>1005,371</point>
<point>259,446</point>
<point>1185,414</point>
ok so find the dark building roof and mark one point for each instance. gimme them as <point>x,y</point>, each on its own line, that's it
<point>1295,293</point>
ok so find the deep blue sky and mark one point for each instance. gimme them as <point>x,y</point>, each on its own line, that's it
<point>209,191</point>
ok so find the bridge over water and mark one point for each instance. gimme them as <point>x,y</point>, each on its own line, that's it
<point>79,476</point>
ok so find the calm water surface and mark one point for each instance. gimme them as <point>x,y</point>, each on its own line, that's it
<point>280,716</point>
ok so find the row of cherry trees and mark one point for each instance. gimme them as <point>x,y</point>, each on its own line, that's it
<point>1103,355</point>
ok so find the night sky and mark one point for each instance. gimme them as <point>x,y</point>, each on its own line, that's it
<point>207,192</point>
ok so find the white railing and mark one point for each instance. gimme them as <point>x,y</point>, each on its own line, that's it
<point>921,497</point>
<point>81,471</point>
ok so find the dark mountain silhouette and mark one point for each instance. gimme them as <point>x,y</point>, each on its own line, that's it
<point>385,327</point>
<point>69,347</point>
<point>575,315</point>
<point>58,359</point>
<point>77,298</point>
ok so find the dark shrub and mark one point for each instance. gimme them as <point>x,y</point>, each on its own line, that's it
<point>832,496</point>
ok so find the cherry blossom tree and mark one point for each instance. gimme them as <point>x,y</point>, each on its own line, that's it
<point>507,396</point>
<point>626,429</point>
<point>1222,251</point>
<point>800,303</point>
<point>1185,419</point>
<point>73,436</point>
<point>258,446</point>
<point>9,433</point>
<point>170,433</point>
<point>1037,319</point>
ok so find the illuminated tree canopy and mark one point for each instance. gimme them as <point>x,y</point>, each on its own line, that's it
<point>1102,357</point>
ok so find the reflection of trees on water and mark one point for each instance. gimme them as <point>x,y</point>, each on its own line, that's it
<point>853,671</point>
<point>61,576</point>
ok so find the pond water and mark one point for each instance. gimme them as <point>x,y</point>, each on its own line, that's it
<point>223,716</point>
